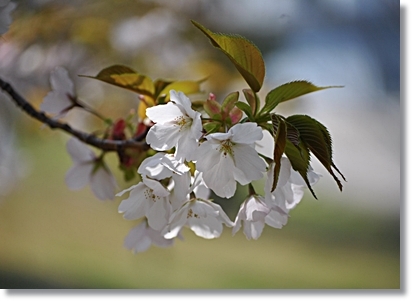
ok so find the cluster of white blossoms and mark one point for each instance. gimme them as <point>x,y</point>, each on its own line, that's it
<point>171,195</point>
<point>175,186</point>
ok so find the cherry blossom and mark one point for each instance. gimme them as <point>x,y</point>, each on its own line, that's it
<point>203,217</point>
<point>290,187</point>
<point>88,168</point>
<point>62,98</point>
<point>6,7</point>
<point>150,198</point>
<point>225,158</point>
<point>145,201</point>
<point>255,213</point>
<point>273,209</point>
<point>161,166</point>
<point>252,212</point>
<point>176,125</point>
<point>182,186</point>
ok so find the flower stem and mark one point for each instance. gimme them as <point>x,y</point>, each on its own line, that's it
<point>93,112</point>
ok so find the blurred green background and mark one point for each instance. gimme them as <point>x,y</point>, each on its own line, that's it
<point>51,237</point>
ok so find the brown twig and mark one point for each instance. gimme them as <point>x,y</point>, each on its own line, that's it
<point>103,144</point>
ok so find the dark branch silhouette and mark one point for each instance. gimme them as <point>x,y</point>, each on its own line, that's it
<point>103,144</point>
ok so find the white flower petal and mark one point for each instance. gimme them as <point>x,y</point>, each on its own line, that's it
<point>180,192</point>
<point>207,155</point>
<point>249,165</point>
<point>218,137</point>
<point>208,228</point>
<point>196,127</point>
<point>177,220</point>
<point>177,167</point>
<point>126,190</point>
<point>296,178</point>
<point>152,167</point>
<point>157,187</point>
<point>59,99</point>
<point>278,196</point>
<point>291,196</point>
<point>103,184</point>
<point>255,208</point>
<point>217,169</point>
<point>285,171</point>
<point>186,147</point>
<point>276,220</point>
<point>60,81</point>
<point>204,220</point>
<point>79,175</point>
<point>181,99</point>
<point>220,177</point>
<point>55,102</point>
<point>199,186</point>
<point>298,193</point>
<point>246,133</point>
<point>237,223</point>
<point>79,152</point>
<point>252,213</point>
<point>266,145</point>
<point>163,137</point>
<point>253,229</point>
<point>137,239</point>
<point>137,204</point>
<point>162,114</point>
<point>158,214</point>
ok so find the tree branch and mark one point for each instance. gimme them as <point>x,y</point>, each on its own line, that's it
<point>103,144</point>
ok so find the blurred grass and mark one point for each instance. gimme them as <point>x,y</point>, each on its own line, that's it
<point>55,238</point>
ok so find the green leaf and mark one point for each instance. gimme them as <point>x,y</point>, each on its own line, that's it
<point>212,127</point>
<point>317,138</point>
<point>289,91</point>
<point>280,145</point>
<point>267,126</point>
<point>292,134</point>
<point>299,158</point>
<point>328,139</point>
<point>245,108</point>
<point>246,57</point>
<point>127,78</point>
<point>160,84</point>
<point>185,86</point>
